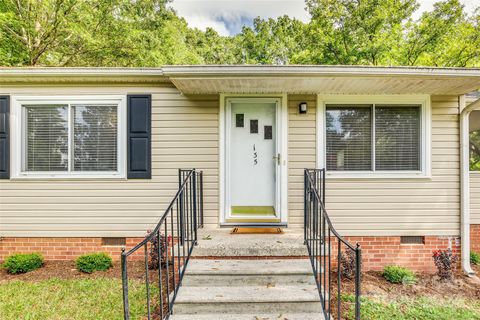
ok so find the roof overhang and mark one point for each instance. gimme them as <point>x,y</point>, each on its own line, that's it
<point>251,79</point>
<point>243,79</point>
<point>81,75</point>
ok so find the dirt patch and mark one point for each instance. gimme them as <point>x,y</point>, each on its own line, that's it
<point>373,284</point>
<point>67,270</point>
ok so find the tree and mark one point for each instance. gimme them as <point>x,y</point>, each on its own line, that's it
<point>213,48</point>
<point>273,41</point>
<point>92,33</point>
<point>147,33</point>
<point>357,32</point>
<point>30,29</point>
<point>445,36</point>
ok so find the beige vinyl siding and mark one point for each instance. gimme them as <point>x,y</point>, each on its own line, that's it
<point>385,206</point>
<point>475,197</point>
<point>184,134</point>
<point>301,152</point>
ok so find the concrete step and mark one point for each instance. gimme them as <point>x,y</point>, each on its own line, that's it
<point>247,299</point>
<point>248,272</point>
<point>250,267</point>
<point>220,243</point>
<point>271,316</point>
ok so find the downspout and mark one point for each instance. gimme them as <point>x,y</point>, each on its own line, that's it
<point>465,182</point>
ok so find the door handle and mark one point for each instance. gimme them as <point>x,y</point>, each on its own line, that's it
<point>277,157</point>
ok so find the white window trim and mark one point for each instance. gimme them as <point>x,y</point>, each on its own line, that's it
<point>426,128</point>
<point>17,139</point>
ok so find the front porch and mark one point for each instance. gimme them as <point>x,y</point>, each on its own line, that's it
<point>285,274</point>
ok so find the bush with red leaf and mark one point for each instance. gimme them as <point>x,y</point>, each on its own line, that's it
<point>445,261</point>
<point>348,264</point>
<point>156,242</point>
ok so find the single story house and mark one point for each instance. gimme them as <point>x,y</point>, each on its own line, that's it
<point>89,156</point>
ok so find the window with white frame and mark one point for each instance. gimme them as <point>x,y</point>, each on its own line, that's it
<point>375,137</point>
<point>62,137</point>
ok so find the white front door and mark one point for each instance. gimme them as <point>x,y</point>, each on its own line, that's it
<point>253,161</point>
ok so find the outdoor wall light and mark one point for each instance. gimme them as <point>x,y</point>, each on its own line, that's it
<point>302,108</point>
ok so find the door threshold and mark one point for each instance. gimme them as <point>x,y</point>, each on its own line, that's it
<point>253,224</point>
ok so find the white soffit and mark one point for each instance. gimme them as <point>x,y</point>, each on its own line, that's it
<point>323,79</point>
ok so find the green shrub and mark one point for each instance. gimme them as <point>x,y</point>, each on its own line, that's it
<point>23,262</point>
<point>475,258</point>
<point>94,262</point>
<point>397,274</point>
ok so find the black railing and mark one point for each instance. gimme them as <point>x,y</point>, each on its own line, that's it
<point>162,256</point>
<point>333,258</point>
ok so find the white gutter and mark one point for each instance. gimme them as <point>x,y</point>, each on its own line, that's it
<point>79,71</point>
<point>465,182</point>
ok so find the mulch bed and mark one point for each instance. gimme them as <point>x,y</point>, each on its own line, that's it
<point>374,285</point>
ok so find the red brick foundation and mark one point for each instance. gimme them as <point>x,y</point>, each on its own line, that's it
<point>377,252</point>
<point>60,248</point>
<point>475,237</point>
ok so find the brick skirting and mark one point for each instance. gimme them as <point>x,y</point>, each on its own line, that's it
<point>377,252</point>
<point>60,248</point>
<point>475,237</point>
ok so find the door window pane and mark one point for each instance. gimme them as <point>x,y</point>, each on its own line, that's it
<point>349,137</point>
<point>397,137</point>
<point>46,138</point>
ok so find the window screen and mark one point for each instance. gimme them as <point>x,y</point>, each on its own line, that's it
<point>95,138</point>
<point>46,138</point>
<point>397,137</point>
<point>349,137</point>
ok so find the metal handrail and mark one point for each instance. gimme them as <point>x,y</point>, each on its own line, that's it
<point>168,247</point>
<point>319,235</point>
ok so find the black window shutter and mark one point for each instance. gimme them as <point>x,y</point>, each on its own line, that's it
<point>139,133</point>
<point>4,137</point>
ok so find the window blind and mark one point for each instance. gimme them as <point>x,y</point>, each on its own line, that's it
<point>397,137</point>
<point>46,138</point>
<point>95,138</point>
<point>349,137</point>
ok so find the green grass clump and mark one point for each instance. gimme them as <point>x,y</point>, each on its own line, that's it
<point>85,299</point>
<point>398,274</point>
<point>23,262</point>
<point>91,262</point>
<point>421,307</point>
<point>475,258</point>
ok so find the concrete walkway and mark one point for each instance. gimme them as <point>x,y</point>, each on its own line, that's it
<point>231,288</point>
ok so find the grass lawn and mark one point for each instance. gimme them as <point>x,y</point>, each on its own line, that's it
<point>421,308</point>
<point>67,299</point>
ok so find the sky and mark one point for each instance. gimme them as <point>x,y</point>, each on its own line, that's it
<point>228,16</point>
